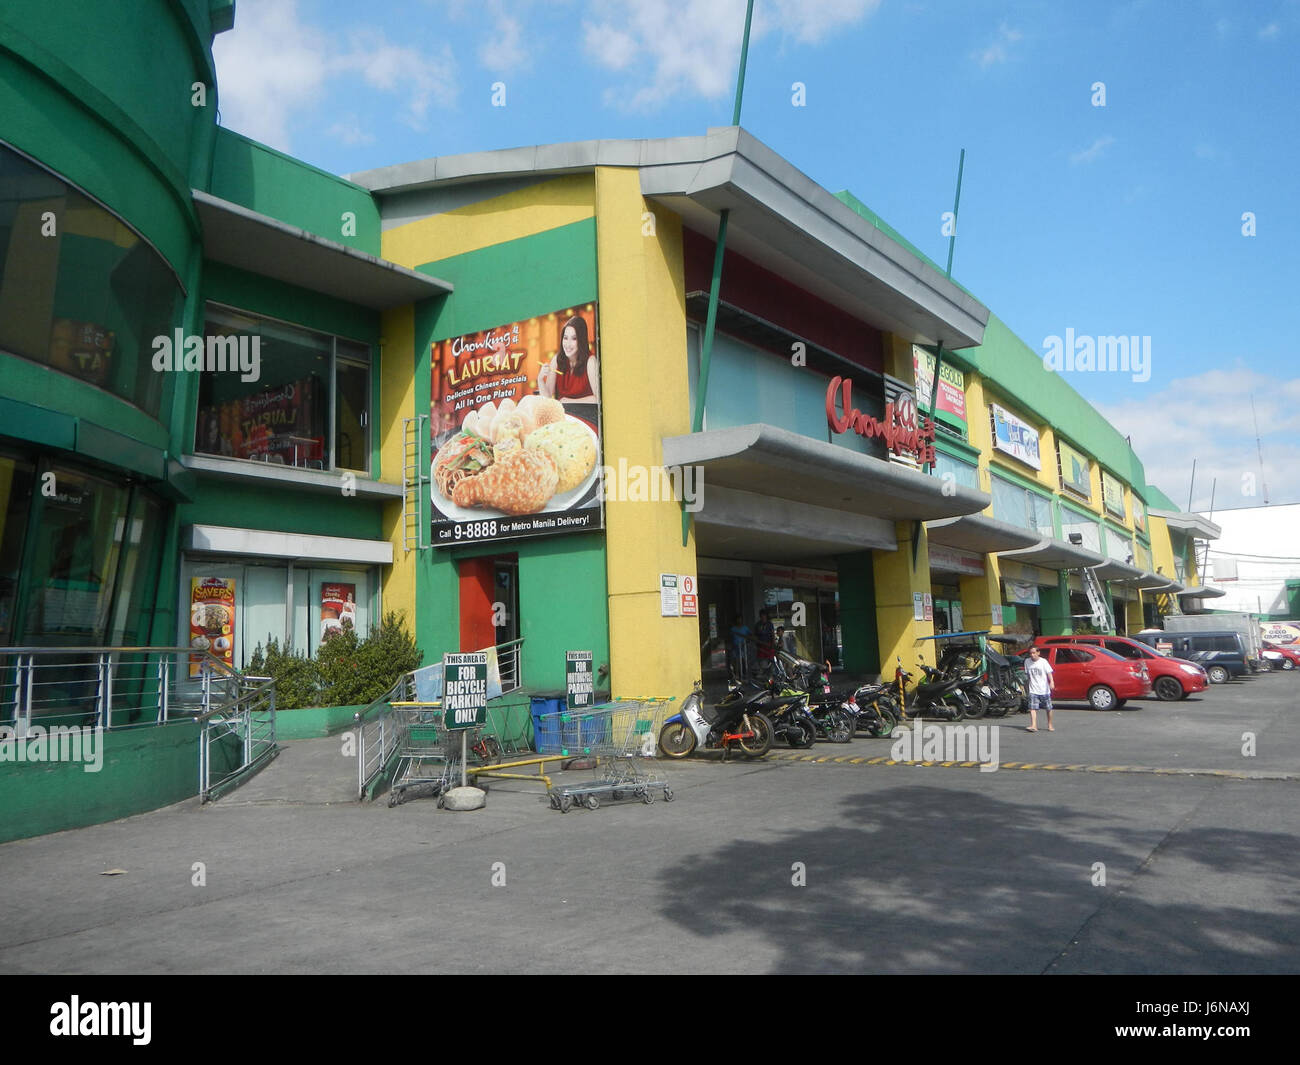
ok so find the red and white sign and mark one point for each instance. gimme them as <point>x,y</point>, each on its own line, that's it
<point>928,602</point>
<point>690,600</point>
<point>901,430</point>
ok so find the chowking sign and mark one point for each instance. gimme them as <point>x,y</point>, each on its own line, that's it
<point>901,429</point>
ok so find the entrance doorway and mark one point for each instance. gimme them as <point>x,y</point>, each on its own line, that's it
<point>720,602</point>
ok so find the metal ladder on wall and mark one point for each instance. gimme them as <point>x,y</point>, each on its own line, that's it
<point>1103,616</point>
<point>415,478</point>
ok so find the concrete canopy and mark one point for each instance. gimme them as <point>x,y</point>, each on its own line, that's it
<point>1193,524</point>
<point>980,534</point>
<point>1203,591</point>
<point>1055,554</point>
<point>1112,570</point>
<point>768,461</point>
<point>779,218</point>
<point>238,237</point>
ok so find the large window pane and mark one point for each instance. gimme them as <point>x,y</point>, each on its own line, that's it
<point>281,416</point>
<point>79,290</point>
<point>1072,522</point>
<point>352,408</point>
<point>73,563</point>
<point>964,473</point>
<point>16,480</point>
<point>137,585</point>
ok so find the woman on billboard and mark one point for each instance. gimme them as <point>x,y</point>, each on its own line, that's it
<point>573,376</point>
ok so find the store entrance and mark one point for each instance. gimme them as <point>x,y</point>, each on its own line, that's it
<point>489,601</point>
<point>720,603</point>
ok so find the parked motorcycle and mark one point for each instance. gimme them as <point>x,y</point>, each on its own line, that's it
<point>940,695</point>
<point>791,676</point>
<point>736,721</point>
<point>874,708</point>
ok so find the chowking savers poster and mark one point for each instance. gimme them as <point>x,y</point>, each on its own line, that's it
<point>515,421</point>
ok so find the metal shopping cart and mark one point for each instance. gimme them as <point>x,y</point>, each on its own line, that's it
<point>620,736</point>
<point>428,753</point>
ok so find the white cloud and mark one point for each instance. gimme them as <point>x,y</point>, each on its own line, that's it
<point>503,51</point>
<point>692,47</point>
<point>1208,418</point>
<point>270,66</point>
<point>348,130</point>
<point>275,67</point>
<point>1093,152</point>
<point>999,50</point>
<point>1270,31</point>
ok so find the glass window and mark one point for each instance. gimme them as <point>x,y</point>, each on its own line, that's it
<point>16,481</point>
<point>80,291</point>
<point>1020,507</point>
<point>137,585</point>
<point>964,473</point>
<point>280,392</point>
<point>73,563</point>
<point>1118,546</point>
<point>1073,522</point>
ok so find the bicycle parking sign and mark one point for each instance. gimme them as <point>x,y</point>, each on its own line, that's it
<point>581,684</point>
<point>464,690</point>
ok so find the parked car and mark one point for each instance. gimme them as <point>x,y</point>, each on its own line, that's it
<point>1171,678</point>
<point>1222,654</point>
<point>1280,657</point>
<point>1102,677</point>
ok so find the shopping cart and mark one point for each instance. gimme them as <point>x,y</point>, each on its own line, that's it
<point>620,736</point>
<point>428,753</point>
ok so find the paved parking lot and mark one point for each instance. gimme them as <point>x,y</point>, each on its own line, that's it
<point>769,866</point>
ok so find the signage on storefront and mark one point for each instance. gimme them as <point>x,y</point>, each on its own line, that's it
<point>948,560</point>
<point>690,602</point>
<point>1139,514</point>
<point>1076,470</point>
<point>670,605</point>
<point>338,608</point>
<point>1015,437</point>
<point>951,405</point>
<point>1112,494</point>
<point>811,578</point>
<point>464,690</point>
<point>918,606</point>
<point>1021,592</point>
<point>901,429</point>
<point>212,620</point>
<point>929,606</point>
<point>579,681</point>
<point>1284,634</point>
<point>516,431</point>
<point>996,610</point>
<point>713,621</point>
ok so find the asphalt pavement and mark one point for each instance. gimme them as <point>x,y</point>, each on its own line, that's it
<point>775,865</point>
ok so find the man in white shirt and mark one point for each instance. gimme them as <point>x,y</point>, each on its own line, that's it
<point>1038,672</point>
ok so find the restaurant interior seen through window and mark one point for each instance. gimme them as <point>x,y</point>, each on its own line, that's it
<point>306,403</point>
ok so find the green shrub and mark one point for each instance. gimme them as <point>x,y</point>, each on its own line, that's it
<point>346,671</point>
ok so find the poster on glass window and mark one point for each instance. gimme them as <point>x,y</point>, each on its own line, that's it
<point>338,608</point>
<point>516,433</point>
<point>212,620</point>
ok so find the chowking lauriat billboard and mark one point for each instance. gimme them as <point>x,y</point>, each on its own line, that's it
<point>516,435</point>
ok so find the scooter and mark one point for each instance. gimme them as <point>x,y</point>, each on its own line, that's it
<point>735,721</point>
<point>874,708</point>
<point>822,710</point>
<point>938,696</point>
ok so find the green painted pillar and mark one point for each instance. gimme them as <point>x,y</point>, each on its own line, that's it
<point>1054,608</point>
<point>858,613</point>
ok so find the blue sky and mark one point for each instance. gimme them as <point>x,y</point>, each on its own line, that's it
<point>1123,219</point>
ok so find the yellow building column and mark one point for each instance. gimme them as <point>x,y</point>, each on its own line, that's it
<point>897,583</point>
<point>1133,615</point>
<point>978,594</point>
<point>645,396</point>
<point>397,403</point>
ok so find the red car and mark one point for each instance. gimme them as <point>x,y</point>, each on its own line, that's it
<point>1281,657</point>
<point>1101,677</point>
<point>1171,678</point>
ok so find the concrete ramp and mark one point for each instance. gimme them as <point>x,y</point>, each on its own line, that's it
<point>313,772</point>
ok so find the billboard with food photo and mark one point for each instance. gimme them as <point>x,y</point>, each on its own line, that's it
<point>212,620</point>
<point>338,607</point>
<point>515,419</point>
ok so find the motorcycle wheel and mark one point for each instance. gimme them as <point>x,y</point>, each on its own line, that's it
<point>884,725</point>
<point>676,739</point>
<point>839,727</point>
<point>761,742</point>
<point>979,706</point>
<point>802,734</point>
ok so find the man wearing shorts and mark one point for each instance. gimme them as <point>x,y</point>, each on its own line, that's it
<point>1038,672</point>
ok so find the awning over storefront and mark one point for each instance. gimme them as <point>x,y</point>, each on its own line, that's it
<point>773,462</point>
<point>237,236</point>
<point>1112,570</point>
<point>1151,582</point>
<point>224,540</point>
<point>1055,554</point>
<point>979,533</point>
<point>1192,524</point>
<point>1203,591</point>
